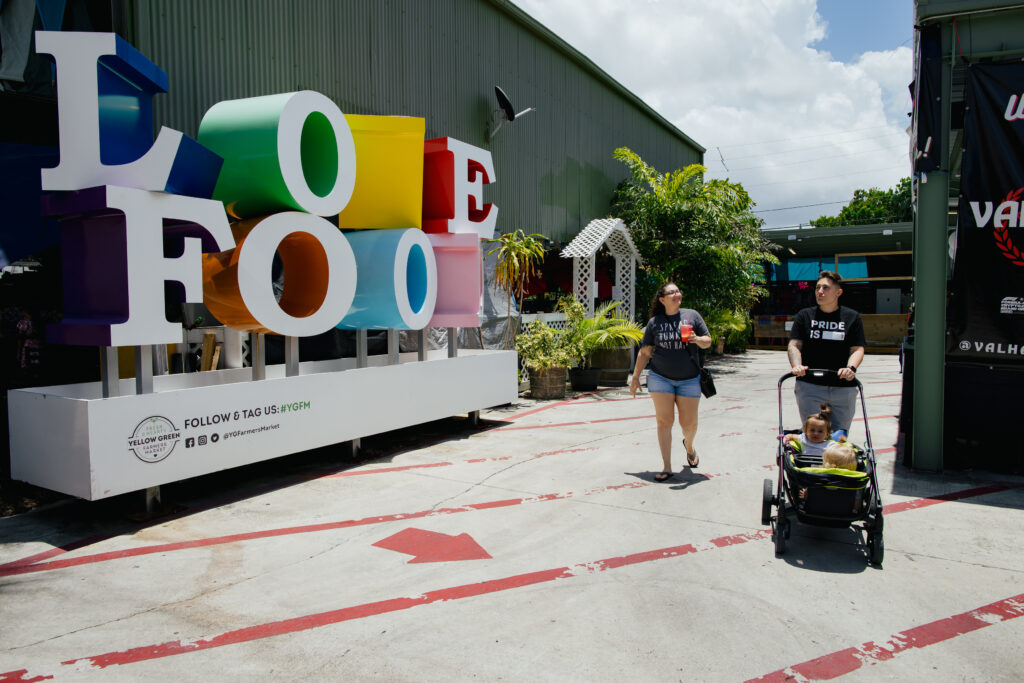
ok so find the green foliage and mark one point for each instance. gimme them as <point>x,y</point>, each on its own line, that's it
<point>541,347</point>
<point>519,255</point>
<point>585,335</point>
<point>701,234</point>
<point>730,325</point>
<point>873,206</point>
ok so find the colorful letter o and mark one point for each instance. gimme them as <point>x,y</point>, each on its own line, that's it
<point>397,285</point>
<point>319,276</point>
<point>287,151</point>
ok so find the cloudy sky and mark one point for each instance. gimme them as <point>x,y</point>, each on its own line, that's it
<point>801,101</point>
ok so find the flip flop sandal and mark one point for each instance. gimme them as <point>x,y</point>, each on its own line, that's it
<point>696,458</point>
<point>663,476</point>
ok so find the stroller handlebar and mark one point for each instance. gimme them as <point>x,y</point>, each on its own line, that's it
<point>819,372</point>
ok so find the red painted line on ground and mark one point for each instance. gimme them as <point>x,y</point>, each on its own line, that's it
<point>575,424</point>
<point>381,470</point>
<point>311,621</point>
<point>616,400</point>
<point>19,675</point>
<point>8,567</point>
<point>842,662</point>
<point>886,450</point>
<point>885,395</point>
<point>13,569</point>
<point>874,417</point>
<point>472,461</point>
<point>52,552</point>
<point>918,503</point>
<point>556,404</point>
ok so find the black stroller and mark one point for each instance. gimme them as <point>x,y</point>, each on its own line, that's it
<point>824,497</point>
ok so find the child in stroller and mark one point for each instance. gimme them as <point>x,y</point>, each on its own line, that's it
<point>817,492</point>
<point>811,443</point>
<point>838,456</point>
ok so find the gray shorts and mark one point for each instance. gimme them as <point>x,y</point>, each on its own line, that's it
<point>843,400</point>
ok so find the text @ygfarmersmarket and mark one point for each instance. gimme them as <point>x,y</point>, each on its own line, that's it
<point>237,418</point>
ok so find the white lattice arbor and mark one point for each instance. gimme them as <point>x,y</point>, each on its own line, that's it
<point>610,232</point>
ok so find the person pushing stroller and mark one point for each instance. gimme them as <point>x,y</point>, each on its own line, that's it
<point>827,337</point>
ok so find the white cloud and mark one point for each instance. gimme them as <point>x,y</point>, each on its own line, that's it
<point>735,75</point>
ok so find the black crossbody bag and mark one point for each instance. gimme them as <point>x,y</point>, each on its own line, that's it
<point>707,382</point>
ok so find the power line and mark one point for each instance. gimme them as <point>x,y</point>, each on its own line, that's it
<point>810,180</point>
<point>883,220</point>
<point>802,206</point>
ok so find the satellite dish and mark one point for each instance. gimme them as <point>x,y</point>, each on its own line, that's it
<point>505,111</point>
<point>505,104</point>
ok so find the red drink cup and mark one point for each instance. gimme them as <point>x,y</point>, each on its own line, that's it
<point>686,331</point>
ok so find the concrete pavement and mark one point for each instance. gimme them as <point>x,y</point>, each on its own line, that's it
<point>535,547</point>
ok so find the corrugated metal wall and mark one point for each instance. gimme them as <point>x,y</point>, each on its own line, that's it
<point>437,59</point>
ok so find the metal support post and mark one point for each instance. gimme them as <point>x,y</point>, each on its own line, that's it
<point>109,376</point>
<point>453,342</point>
<point>291,356</point>
<point>153,502</point>
<point>392,347</point>
<point>361,350</point>
<point>144,369</point>
<point>421,344</point>
<point>160,363</point>
<point>258,350</point>
<point>930,255</point>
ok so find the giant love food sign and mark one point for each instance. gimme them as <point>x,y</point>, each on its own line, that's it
<point>376,228</point>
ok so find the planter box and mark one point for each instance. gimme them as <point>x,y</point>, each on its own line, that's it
<point>548,383</point>
<point>70,439</point>
<point>615,365</point>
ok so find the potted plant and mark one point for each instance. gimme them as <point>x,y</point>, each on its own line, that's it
<point>722,324</point>
<point>587,336</point>
<point>519,255</point>
<point>547,354</point>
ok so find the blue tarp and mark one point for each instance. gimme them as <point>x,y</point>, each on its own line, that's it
<point>796,269</point>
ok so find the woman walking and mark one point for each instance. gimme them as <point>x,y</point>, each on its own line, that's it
<point>674,376</point>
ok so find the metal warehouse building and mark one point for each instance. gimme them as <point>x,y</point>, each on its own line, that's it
<point>436,59</point>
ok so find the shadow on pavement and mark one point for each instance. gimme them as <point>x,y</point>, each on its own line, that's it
<point>71,523</point>
<point>830,551</point>
<point>678,480</point>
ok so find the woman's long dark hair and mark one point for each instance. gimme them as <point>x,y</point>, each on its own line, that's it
<point>658,308</point>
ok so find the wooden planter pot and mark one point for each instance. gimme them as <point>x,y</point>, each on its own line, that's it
<point>614,365</point>
<point>548,383</point>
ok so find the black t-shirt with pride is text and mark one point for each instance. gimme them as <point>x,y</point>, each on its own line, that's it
<point>827,339</point>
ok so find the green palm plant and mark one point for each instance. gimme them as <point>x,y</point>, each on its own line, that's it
<point>519,255</point>
<point>723,324</point>
<point>603,331</point>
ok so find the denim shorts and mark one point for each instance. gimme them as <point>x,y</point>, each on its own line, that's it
<point>687,388</point>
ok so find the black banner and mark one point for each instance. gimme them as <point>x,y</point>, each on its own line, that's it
<point>986,307</point>
<point>928,102</point>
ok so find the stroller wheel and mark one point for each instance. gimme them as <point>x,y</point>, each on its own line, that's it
<point>766,503</point>
<point>876,548</point>
<point>781,533</point>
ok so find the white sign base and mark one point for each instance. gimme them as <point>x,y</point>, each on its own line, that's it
<point>70,439</point>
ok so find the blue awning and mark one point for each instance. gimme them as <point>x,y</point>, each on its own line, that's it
<point>796,269</point>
